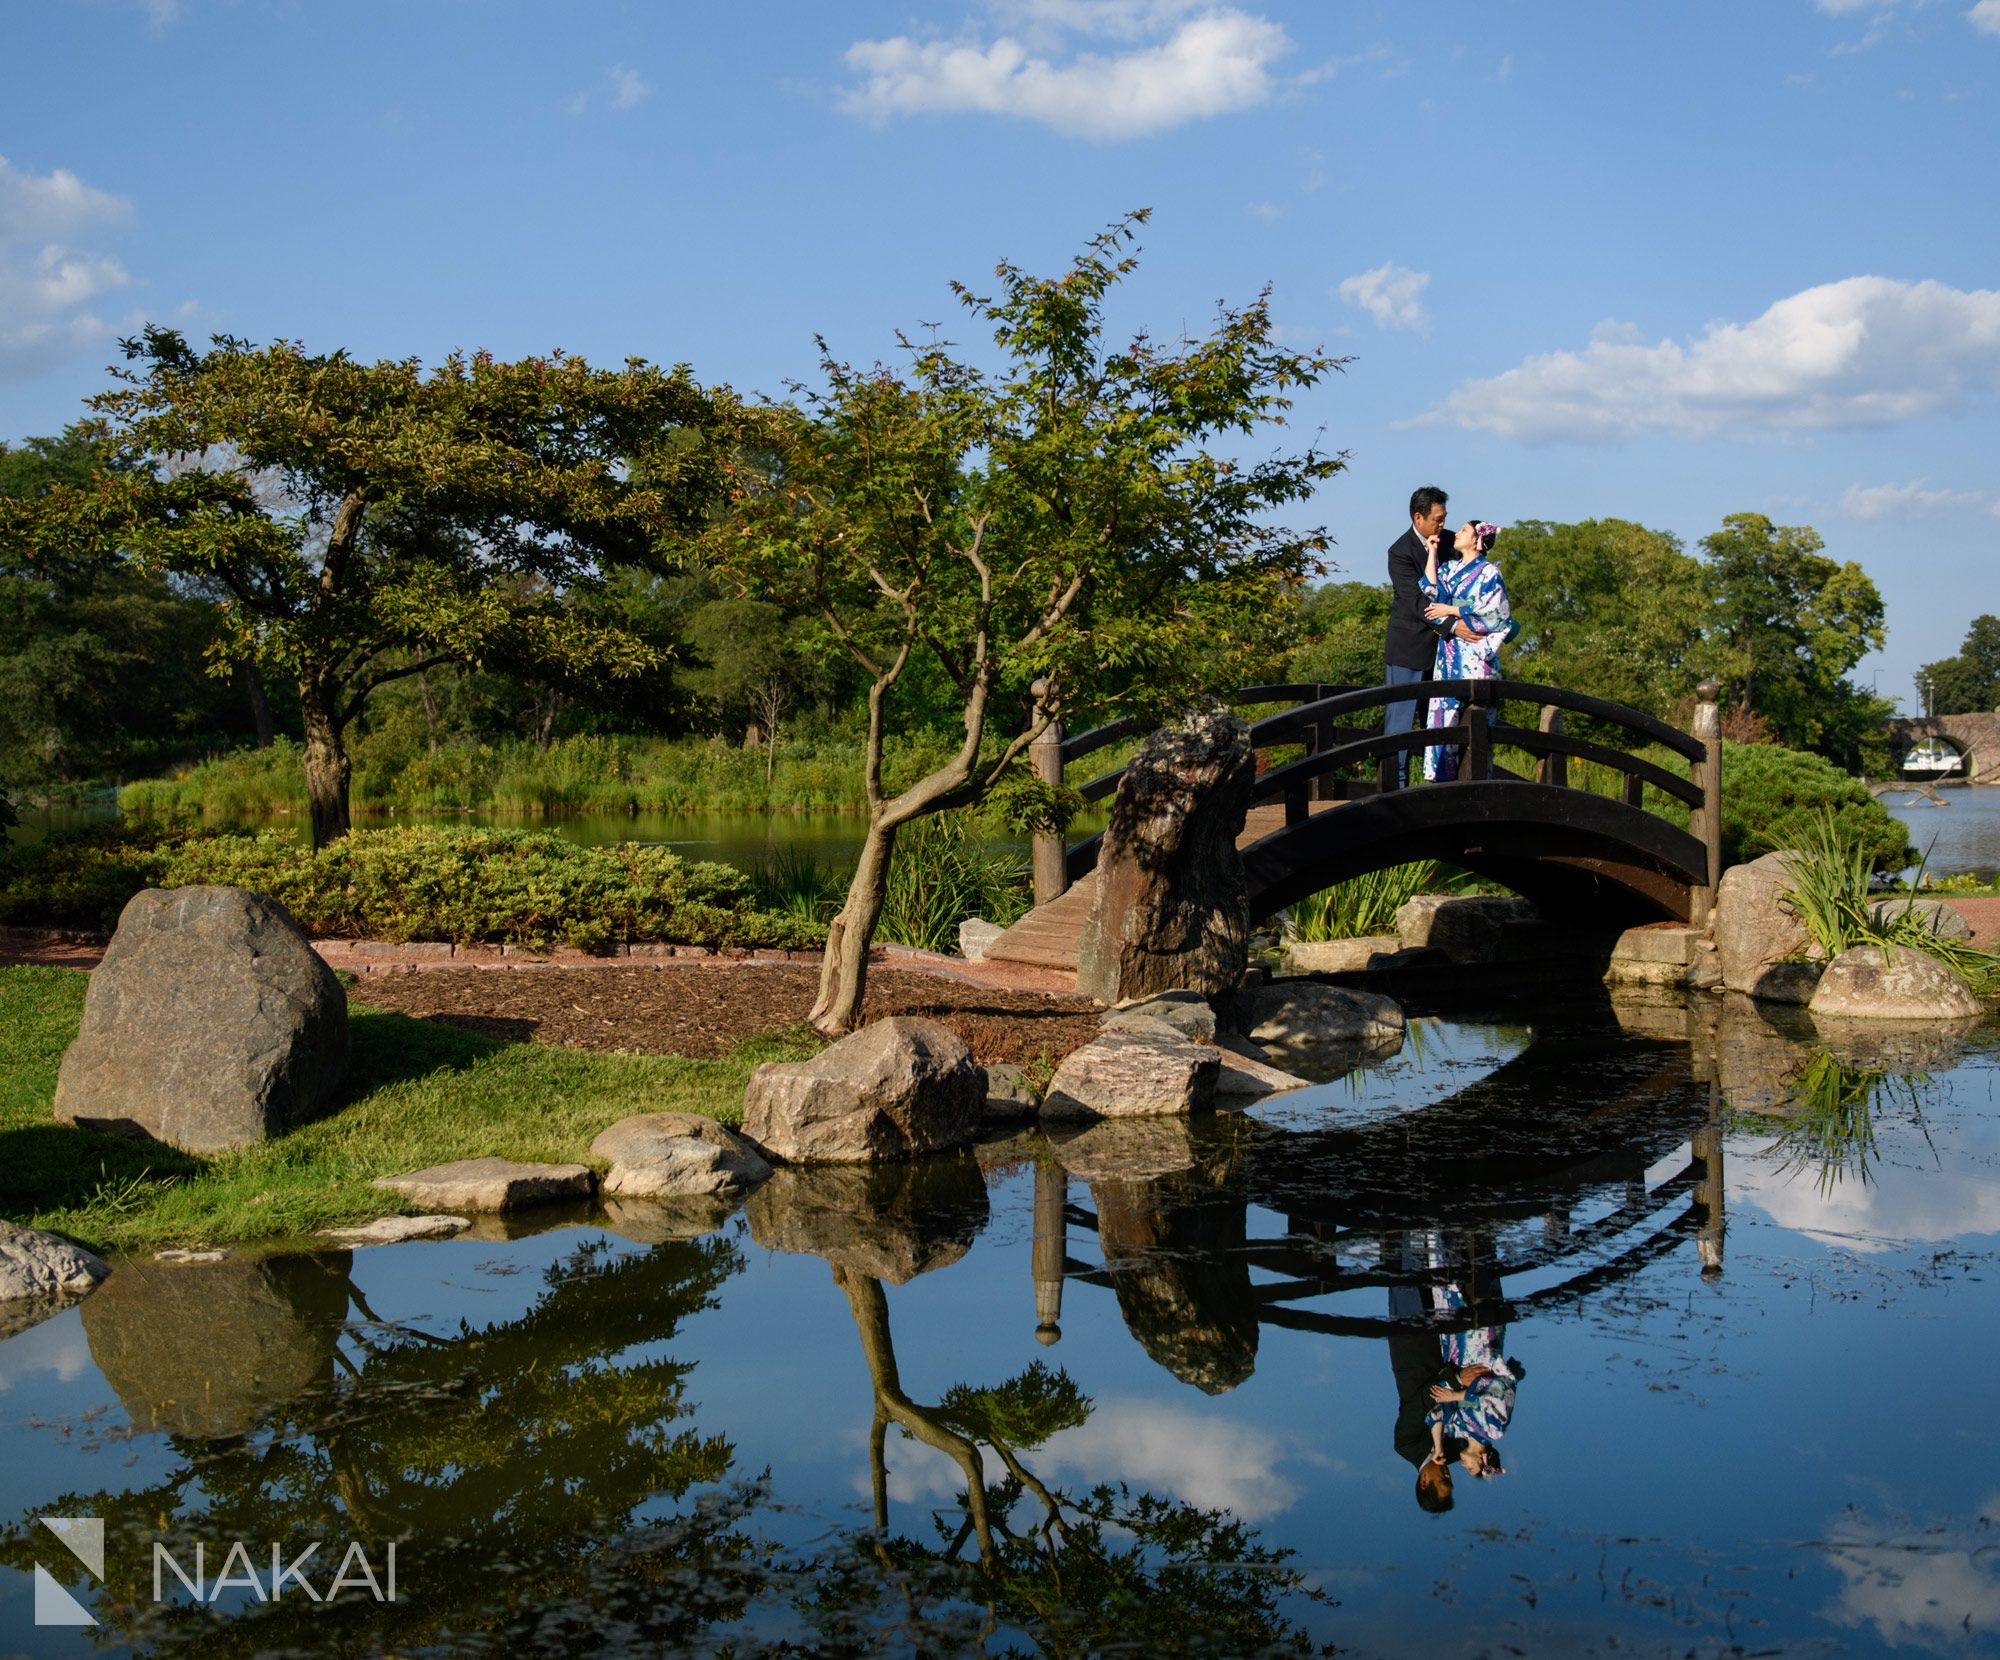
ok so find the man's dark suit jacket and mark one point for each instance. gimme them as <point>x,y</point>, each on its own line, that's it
<point>1411,644</point>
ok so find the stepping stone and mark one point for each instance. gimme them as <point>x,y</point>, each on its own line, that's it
<point>395,1230</point>
<point>676,1155</point>
<point>1245,1075</point>
<point>490,1184</point>
<point>183,1256</point>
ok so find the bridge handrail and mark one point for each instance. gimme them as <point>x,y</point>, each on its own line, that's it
<point>1098,737</point>
<point>1493,692</point>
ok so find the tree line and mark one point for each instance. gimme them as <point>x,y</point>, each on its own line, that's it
<point>1065,527</point>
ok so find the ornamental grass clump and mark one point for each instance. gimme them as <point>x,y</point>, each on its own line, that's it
<point>1362,905</point>
<point>1832,892</point>
<point>943,874</point>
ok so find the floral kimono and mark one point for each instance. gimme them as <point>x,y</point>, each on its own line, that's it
<point>1475,586</point>
<point>1488,1406</point>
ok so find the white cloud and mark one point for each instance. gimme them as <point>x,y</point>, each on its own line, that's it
<point>161,14</point>
<point>1902,501</point>
<point>1392,294</point>
<point>1177,68</point>
<point>1841,8</point>
<point>628,87</point>
<point>47,283</point>
<point>1866,351</point>
<point>1985,17</point>
<point>1912,1586</point>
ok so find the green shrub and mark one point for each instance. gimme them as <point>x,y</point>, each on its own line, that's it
<point>1770,798</point>
<point>522,887</point>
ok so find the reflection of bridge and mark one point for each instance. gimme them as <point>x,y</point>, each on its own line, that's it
<point>1337,812</point>
<point>1976,737</point>
<point>1557,1200</point>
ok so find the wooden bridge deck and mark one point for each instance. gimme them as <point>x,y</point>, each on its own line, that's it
<point>1047,936</point>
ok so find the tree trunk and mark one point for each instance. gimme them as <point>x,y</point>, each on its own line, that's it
<point>328,770</point>
<point>260,706</point>
<point>843,972</point>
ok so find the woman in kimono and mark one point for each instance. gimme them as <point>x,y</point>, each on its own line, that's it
<point>1467,590</point>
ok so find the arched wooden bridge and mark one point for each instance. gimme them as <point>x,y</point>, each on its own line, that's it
<point>1583,857</point>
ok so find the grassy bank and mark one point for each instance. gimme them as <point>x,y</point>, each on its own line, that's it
<point>419,1094</point>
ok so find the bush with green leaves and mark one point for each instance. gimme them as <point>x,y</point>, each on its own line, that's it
<point>942,874</point>
<point>520,887</point>
<point>1363,905</point>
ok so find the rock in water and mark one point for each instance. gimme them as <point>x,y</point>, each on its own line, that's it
<point>211,1023</point>
<point>676,1155</point>
<point>1172,909</point>
<point>41,1274</point>
<point>889,1224</point>
<point>1298,1016</point>
<point>895,1089</point>
<point>1141,1069</point>
<point>1873,982</point>
<point>1758,935</point>
<point>491,1184</point>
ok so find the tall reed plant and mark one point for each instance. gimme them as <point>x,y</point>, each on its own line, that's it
<point>941,874</point>
<point>1364,904</point>
<point>1832,892</point>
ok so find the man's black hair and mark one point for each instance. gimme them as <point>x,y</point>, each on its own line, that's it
<point>1425,497</point>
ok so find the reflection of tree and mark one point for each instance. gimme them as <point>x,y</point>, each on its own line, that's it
<point>508,1461</point>
<point>1050,1573</point>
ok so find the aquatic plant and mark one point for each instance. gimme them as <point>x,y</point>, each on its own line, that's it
<point>1362,905</point>
<point>1833,1132</point>
<point>1834,897</point>
<point>942,874</point>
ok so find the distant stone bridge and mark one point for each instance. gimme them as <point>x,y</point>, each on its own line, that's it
<point>1976,737</point>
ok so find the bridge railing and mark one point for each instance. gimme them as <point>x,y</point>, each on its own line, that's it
<point>1323,719</point>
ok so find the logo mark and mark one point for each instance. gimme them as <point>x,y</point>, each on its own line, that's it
<point>83,1538</point>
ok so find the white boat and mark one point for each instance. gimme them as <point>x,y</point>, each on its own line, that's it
<point>1932,758</point>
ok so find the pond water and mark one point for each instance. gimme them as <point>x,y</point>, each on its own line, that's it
<point>1746,1286</point>
<point>1962,835</point>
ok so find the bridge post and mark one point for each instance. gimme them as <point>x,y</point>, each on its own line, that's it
<point>1050,1250</point>
<point>1552,769</point>
<point>1051,868</point>
<point>1705,821</point>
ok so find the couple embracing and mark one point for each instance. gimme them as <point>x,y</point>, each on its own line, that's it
<point>1448,618</point>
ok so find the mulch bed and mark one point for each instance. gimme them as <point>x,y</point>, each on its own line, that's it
<point>705,1012</point>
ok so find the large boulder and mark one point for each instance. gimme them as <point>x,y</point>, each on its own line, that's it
<point>895,1089</point>
<point>1874,982</point>
<point>1294,1018</point>
<point>888,1222</point>
<point>1757,931</point>
<point>1937,917</point>
<point>675,1155</point>
<point>1171,907</point>
<point>1467,928</point>
<point>1142,1069</point>
<point>211,1023</point>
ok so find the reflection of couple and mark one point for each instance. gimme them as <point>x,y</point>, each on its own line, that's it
<point>1449,616</point>
<point>1464,1386</point>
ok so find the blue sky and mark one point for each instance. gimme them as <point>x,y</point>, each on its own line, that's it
<point>1663,262</point>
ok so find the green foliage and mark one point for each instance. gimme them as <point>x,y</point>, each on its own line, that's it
<point>943,874</point>
<point>517,887</point>
<point>8,817</point>
<point>1364,904</point>
<point>1970,682</point>
<point>797,883</point>
<point>365,520</point>
<point>1790,624</point>
<point>1834,898</point>
<point>1830,1132</point>
<point>1771,796</point>
<point>1023,1412</point>
<point>1608,607</point>
<point>1340,628</point>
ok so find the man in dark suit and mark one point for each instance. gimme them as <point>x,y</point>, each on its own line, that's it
<point>1411,646</point>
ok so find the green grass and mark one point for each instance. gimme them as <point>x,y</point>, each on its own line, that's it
<point>419,1094</point>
